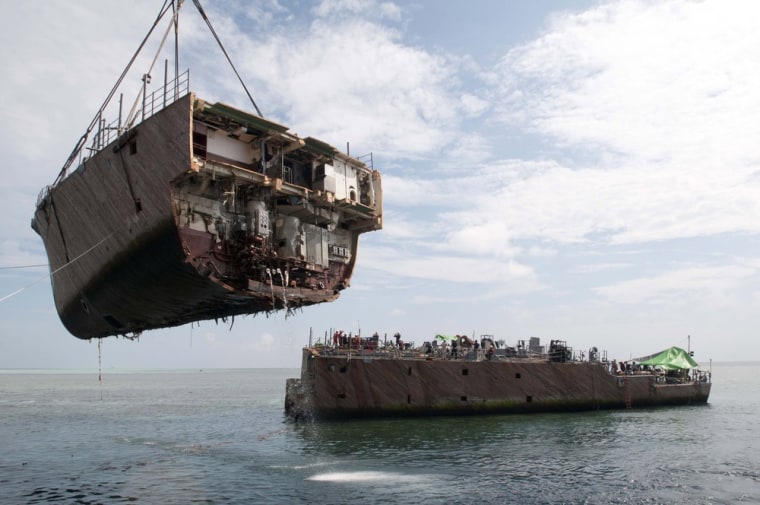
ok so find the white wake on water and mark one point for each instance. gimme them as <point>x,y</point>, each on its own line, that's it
<point>368,476</point>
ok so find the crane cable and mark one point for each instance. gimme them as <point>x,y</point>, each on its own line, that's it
<point>96,119</point>
<point>213,32</point>
<point>146,77</point>
<point>164,9</point>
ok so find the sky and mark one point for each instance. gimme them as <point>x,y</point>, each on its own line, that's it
<point>587,171</point>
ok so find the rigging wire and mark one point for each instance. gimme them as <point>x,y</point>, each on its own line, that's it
<point>168,4</point>
<point>24,266</point>
<point>213,32</point>
<point>176,51</point>
<point>65,265</point>
<point>133,112</point>
<point>96,119</point>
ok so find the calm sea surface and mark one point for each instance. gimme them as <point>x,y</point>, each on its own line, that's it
<point>219,436</point>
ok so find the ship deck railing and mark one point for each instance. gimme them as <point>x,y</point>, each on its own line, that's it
<point>680,376</point>
<point>152,103</point>
<point>106,133</point>
<point>409,352</point>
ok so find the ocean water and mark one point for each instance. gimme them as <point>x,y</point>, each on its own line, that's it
<point>219,436</point>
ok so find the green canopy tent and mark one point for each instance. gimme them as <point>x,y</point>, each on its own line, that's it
<point>446,337</point>
<point>674,358</point>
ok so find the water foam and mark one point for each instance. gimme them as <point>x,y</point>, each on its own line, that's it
<point>366,476</point>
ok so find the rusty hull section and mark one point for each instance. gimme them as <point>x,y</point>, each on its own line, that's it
<point>339,387</point>
<point>203,211</point>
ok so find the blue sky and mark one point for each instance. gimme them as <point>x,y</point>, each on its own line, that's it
<point>589,173</point>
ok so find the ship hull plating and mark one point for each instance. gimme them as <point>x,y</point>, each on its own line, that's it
<point>337,387</point>
<point>203,212</point>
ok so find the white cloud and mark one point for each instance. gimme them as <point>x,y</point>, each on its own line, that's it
<point>353,79</point>
<point>456,268</point>
<point>473,105</point>
<point>263,13</point>
<point>657,97</point>
<point>647,80</point>
<point>211,340</point>
<point>417,191</point>
<point>714,286</point>
<point>397,226</point>
<point>263,342</point>
<point>350,8</point>
<point>599,267</point>
<point>485,236</point>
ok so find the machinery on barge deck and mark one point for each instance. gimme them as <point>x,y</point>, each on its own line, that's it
<point>361,379</point>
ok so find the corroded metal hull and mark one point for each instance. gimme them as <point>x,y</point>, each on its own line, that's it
<point>203,212</point>
<point>347,386</point>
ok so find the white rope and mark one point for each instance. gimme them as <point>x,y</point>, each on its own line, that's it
<point>24,266</point>
<point>6,297</point>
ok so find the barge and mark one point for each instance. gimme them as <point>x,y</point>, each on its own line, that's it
<point>365,379</point>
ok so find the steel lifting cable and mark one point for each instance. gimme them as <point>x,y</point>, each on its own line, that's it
<point>168,4</point>
<point>176,51</point>
<point>65,265</point>
<point>213,32</point>
<point>133,112</point>
<point>96,119</point>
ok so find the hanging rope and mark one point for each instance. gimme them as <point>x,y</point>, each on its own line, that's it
<point>100,368</point>
<point>211,28</point>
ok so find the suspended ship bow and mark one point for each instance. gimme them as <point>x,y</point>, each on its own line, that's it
<point>202,211</point>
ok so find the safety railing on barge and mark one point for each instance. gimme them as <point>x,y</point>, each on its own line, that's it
<point>409,351</point>
<point>558,352</point>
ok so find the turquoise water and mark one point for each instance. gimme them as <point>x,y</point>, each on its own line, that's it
<point>219,436</point>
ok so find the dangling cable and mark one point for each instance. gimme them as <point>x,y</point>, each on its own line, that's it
<point>100,368</point>
<point>211,28</point>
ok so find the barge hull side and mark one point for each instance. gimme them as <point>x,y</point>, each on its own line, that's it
<point>334,387</point>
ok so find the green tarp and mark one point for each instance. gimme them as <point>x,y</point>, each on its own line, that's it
<point>445,337</point>
<point>674,358</point>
